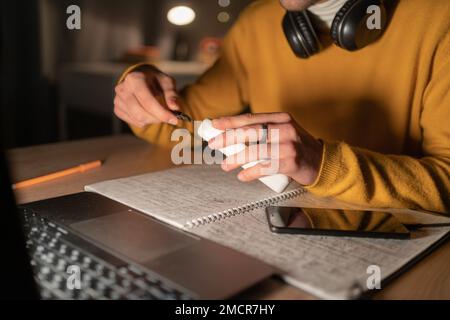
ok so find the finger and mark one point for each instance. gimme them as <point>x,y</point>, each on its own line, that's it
<point>247,134</point>
<point>265,168</point>
<point>166,82</point>
<point>259,170</point>
<point>152,105</point>
<point>251,153</point>
<point>121,111</point>
<point>272,151</point>
<point>120,88</point>
<point>136,111</point>
<point>276,133</point>
<point>171,98</point>
<point>168,86</point>
<point>249,119</point>
<point>149,103</point>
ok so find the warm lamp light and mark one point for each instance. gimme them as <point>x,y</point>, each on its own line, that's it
<point>181,15</point>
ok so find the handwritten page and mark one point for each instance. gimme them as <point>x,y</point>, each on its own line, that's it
<point>329,267</point>
<point>179,195</point>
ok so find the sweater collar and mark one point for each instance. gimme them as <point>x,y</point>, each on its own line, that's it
<point>325,11</point>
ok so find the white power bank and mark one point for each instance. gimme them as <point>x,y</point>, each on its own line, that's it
<point>277,182</point>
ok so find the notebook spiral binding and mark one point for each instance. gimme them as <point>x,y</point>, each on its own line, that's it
<point>244,209</point>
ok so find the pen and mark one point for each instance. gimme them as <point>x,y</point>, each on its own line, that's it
<point>182,116</point>
<point>59,174</point>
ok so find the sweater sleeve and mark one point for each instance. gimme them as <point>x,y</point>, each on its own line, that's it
<point>368,178</point>
<point>221,91</point>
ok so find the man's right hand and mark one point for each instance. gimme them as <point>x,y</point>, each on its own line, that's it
<point>146,97</point>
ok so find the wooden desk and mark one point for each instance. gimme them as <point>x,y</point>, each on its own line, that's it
<point>126,155</point>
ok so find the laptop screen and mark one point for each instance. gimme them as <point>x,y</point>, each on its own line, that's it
<point>18,282</point>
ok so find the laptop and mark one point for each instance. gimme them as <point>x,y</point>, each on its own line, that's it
<point>86,246</point>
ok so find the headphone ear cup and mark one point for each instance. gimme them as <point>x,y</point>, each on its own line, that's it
<point>349,29</point>
<point>337,21</point>
<point>300,34</point>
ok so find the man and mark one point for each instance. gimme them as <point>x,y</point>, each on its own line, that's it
<point>369,127</point>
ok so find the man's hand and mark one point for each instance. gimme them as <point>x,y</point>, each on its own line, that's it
<point>299,156</point>
<point>146,97</point>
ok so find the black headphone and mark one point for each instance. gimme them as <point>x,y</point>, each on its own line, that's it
<point>348,30</point>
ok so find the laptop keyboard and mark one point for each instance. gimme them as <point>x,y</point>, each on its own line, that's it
<point>64,271</point>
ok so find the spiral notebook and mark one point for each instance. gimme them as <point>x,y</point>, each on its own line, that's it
<point>208,202</point>
<point>192,196</point>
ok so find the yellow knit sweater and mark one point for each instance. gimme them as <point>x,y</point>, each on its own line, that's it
<point>383,112</point>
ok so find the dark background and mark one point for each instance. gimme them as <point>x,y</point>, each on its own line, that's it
<point>36,46</point>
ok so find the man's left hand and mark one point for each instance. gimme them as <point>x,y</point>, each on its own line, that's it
<point>299,154</point>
